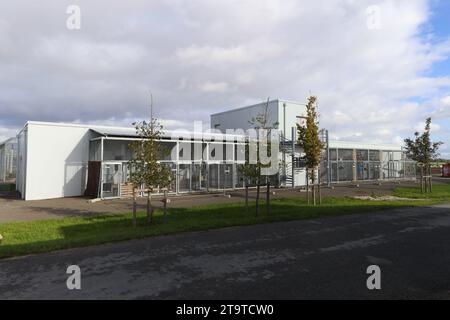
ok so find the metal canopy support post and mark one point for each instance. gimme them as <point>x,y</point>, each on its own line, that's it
<point>293,156</point>
<point>207,166</point>
<point>284,140</point>
<point>177,169</point>
<point>100,195</point>
<point>328,159</point>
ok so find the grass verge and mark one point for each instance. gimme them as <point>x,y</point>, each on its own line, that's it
<point>441,193</point>
<point>22,238</point>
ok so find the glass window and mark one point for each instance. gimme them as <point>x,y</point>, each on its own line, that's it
<point>374,155</point>
<point>197,151</point>
<point>240,152</point>
<point>374,170</point>
<point>385,156</point>
<point>323,171</point>
<point>334,171</point>
<point>94,150</point>
<point>216,152</point>
<point>397,155</point>
<point>362,155</point>
<point>111,180</point>
<point>116,150</point>
<point>345,154</point>
<point>213,176</point>
<point>333,154</point>
<point>239,182</point>
<point>362,170</point>
<point>345,171</point>
<point>167,150</point>
<point>186,151</point>
<point>228,151</point>
<point>410,170</point>
<point>184,174</point>
<point>198,176</point>
<point>226,176</point>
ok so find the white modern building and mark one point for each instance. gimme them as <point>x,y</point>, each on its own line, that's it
<point>63,160</point>
<point>348,161</point>
<point>280,113</point>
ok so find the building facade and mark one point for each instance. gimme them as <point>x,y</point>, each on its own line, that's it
<point>62,160</point>
<point>342,162</point>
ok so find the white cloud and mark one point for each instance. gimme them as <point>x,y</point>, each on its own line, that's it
<point>214,87</point>
<point>6,133</point>
<point>215,56</point>
<point>208,55</point>
<point>446,101</point>
<point>372,84</point>
<point>440,108</point>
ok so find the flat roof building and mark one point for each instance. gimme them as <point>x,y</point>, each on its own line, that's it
<point>282,113</point>
<point>349,161</point>
<point>62,160</point>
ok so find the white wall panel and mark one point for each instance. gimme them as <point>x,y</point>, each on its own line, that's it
<point>57,158</point>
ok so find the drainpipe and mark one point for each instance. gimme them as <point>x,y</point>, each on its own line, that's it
<point>177,168</point>
<point>207,166</point>
<point>293,156</point>
<point>328,160</point>
<point>101,169</point>
<point>284,141</point>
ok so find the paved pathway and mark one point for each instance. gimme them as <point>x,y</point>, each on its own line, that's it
<point>19,210</point>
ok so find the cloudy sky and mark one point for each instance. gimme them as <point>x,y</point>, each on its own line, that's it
<point>378,67</point>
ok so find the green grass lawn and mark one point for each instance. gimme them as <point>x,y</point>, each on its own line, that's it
<point>46,235</point>
<point>440,193</point>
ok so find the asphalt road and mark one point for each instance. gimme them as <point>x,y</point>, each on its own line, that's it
<point>322,258</point>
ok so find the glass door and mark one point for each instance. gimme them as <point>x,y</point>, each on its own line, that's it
<point>111,180</point>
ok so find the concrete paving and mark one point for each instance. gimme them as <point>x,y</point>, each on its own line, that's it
<point>319,258</point>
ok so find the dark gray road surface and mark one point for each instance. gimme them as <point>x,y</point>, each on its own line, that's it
<point>323,258</point>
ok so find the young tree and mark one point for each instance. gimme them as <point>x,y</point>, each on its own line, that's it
<point>309,141</point>
<point>137,167</point>
<point>249,172</point>
<point>164,184</point>
<point>261,121</point>
<point>145,167</point>
<point>423,151</point>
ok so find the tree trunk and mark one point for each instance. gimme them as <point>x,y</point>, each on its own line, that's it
<point>246,197</point>
<point>268,196</point>
<point>149,207</point>
<point>421,179</point>
<point>307,185</point>
<point>134,207</point>
<point>165,206</point>
<point>431,179</point>
<point>319,189</point>
<point>314,185</point>
<point>425,179</point>
<point>257,196</point>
